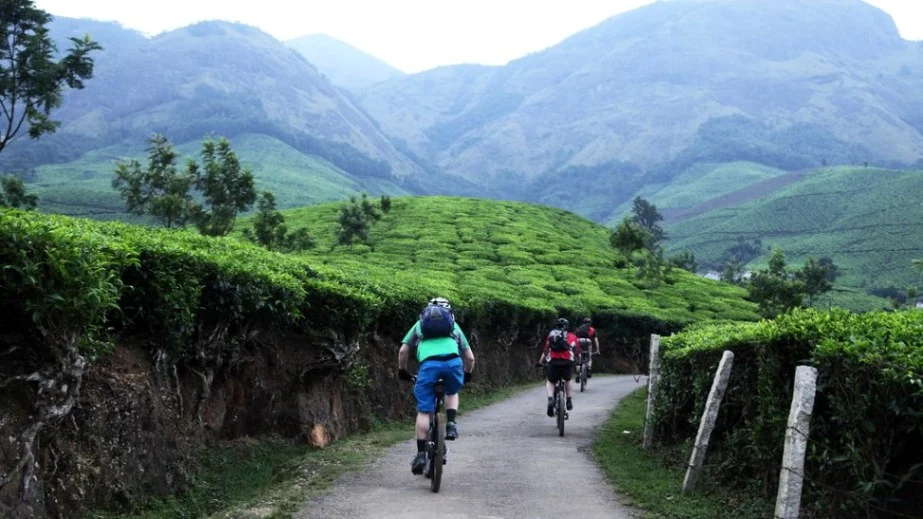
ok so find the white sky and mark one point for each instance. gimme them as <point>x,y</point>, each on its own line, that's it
<point>412,35</point>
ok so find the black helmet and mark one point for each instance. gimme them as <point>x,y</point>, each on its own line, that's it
<point>562,323</point>
<point>587,320</point>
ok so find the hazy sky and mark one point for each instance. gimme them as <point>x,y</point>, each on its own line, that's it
<point>412,35</point>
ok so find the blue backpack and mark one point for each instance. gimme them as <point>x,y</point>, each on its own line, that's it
<point>436,321</point>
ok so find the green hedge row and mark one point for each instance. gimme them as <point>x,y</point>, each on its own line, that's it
<point>179,287</point>
<point>866,444</point>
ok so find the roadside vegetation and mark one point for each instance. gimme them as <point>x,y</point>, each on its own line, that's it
<point>863,459</point>
<point>652,480</point>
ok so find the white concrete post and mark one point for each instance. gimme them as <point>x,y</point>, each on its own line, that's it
<point>791,478</point>
<point>709,417</point>
<point>653,375</point>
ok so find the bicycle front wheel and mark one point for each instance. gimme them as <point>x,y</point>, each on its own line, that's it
<point>438,456</point>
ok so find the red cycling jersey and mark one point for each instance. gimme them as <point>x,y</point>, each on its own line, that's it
<point>562,355</point>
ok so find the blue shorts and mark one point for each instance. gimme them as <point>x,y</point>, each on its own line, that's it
<point>451,371</point>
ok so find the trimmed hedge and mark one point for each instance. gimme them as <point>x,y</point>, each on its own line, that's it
<point>194,290</point>
<point>866,443</point>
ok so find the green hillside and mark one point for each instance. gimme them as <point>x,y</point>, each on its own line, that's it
<point>699,185</point>
<point>870,221</point>
<point>83,187</point>
<point>512,254</point>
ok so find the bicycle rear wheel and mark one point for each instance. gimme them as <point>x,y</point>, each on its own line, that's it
<point>583,376</point>
<point>561,412</point>
<point>439,454</point>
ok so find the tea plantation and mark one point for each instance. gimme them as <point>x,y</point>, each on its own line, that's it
<point>481,253</point>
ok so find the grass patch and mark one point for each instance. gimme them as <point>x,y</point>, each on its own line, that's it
<point>272,478</point>
<point>653,480</point>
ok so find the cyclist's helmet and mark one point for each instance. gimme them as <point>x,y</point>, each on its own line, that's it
<point>562,323</point>
<point>440,301</point>
<point>587,320</point>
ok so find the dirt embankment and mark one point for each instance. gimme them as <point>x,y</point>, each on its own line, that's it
<point>138,420</point>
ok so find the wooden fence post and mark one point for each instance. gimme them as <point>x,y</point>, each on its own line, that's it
<point>791,478</point>
<point>653,375</point>
<point>709,417</point>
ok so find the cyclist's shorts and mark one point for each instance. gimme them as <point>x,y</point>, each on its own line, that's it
<point>559,369</point>
<point>451,371</point>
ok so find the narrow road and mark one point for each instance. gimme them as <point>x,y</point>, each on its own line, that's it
<point>509,463</point>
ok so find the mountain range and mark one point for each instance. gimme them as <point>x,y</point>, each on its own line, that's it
<point>643,96</point>
<point>701,105</point>
<point>211,78</point>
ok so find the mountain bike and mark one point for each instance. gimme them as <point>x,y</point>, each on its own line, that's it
<point>583,372</point>
<point>435,439</point>
<point>560,396</point>
<point>559,400</point>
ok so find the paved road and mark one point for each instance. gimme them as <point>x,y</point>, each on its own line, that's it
<point>508,464</point>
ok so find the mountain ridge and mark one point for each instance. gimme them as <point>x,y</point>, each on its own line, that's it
<point>211,77</point>
<point>346,66</point>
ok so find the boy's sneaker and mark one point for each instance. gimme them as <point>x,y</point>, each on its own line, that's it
<point>451,431</point>
<point>419,461</point>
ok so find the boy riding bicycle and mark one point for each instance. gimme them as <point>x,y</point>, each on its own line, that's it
<point>443,353</point>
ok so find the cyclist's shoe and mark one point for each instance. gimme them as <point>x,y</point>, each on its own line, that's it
<point>589,373</point>
<point>570,405</point>
<point>550,407</point>
<point>419,461</point>
<point>578,375</point>
<point>451,431</point>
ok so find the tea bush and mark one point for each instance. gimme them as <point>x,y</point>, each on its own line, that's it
<point>865,453</point>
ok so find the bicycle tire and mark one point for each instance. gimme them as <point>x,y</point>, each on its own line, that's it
<point>439,455</point>
<point>583,374</point>
<point>561,412</point>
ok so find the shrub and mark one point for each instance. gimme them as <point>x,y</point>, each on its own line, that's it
<point>864,452</point>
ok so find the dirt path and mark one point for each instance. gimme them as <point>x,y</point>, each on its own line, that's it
<point>509,463</point>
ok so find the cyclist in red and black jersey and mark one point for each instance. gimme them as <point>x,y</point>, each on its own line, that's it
<point>559,354</point>
<point>589,342</point>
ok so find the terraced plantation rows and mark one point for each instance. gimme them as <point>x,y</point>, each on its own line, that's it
<point>519,254</point>
<point>866,219</point>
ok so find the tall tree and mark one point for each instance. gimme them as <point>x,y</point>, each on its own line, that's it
<point>227,189</point>
<point>160,190</point>
<point>832,269</point>
<point>814,278</point>
<point>31,80</point>
<point>354,222</point>
<point>270,231</point>
<point>629,237</point>
<point>733,271</point>
<point>647,216</point>
<point>775,289</point>
<point>14,194</point>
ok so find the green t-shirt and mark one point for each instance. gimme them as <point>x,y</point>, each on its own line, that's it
<point>438,346</point>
